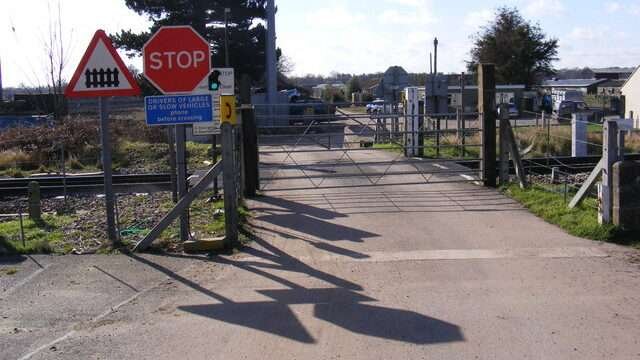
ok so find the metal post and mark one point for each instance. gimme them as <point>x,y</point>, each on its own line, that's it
<point>272,86</point>
<point>117,211</point>
<point>106,168</point>
<point>251,155</point>
<point>610,156</point>
<point>438,137</point>
<point>214,150</point>
<point>227,11</point>
<point>22,238</point>
<point>64,175</point>
<point>487,109</point>
<point>181,164</point>
<point>171,136</point>
<point>504,145</point>
<point>228,173</point>
<point>621,135</point>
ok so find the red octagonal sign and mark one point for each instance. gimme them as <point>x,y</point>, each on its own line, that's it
<point>176,59</point>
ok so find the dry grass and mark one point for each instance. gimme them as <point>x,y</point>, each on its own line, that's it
<point>13,159</point>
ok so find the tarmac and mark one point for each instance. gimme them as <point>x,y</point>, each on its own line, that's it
<point>401,267</point>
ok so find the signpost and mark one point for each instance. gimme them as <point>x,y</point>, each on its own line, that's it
<point>102,73</point>
<point>176,60</point>
<point>178,109</point>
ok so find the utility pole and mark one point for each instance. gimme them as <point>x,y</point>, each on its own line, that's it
<point>227,11</point>
<point>272,75</point>
<point>1,92</point>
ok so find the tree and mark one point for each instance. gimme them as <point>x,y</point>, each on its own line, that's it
<point>353,86</point>
<point>521,51</point>
<point>247,36</point>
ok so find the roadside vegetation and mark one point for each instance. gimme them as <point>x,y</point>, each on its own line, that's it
<point>137,148</point>
<point>581,221</point>
<point>558,141</point>
<point>82,231</point>
<point>451,149</point>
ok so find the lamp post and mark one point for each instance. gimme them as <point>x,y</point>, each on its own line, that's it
<point>227,11</point>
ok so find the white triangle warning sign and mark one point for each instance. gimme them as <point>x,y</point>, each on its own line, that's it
<point>101,72</point>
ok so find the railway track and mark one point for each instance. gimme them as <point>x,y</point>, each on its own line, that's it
<point>78,184</point>
<point>566,164</point>
<point>87,184</point>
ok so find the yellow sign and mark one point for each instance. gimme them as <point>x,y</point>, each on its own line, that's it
<point>228,109</point>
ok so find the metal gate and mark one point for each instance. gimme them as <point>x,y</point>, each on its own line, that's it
<point>314,145</point>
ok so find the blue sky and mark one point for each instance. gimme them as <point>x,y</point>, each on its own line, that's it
<point>369,35</point>
<point>352,36</point>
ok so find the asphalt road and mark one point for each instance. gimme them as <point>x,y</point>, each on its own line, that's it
<point>342,269</point>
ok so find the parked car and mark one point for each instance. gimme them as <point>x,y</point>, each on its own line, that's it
<point>567,108</point>
<point>376,106</point>
<point>301,107</point>
<point>513,110</point>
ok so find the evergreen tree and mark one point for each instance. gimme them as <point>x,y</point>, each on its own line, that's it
<point>247,35</point>
<point>521,52</point>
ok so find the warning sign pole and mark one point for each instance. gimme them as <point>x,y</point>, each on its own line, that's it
<point>106,168</point>
<point>101,74</point>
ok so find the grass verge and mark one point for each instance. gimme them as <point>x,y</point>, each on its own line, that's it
<point>43,237</point>
<point>581,221</point>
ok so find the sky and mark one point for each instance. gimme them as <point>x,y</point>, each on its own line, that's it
<point>346,36</point>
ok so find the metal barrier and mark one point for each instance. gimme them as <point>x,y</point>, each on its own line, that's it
<point>341,143</point>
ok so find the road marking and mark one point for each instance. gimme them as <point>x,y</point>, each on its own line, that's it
<point>471,178</point>
<point>461,254</point>
<point>22,282</point>
<point>109,311</point>
<point>440,166</point>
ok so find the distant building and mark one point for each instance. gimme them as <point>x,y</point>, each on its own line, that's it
<point>610,88</point>
<point>631,94</point>
<point>505,94</point>
<point>319,91</point>
<point>614,73</point>
<point>585,86</point>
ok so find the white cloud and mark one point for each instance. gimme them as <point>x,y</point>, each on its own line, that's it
<point>334,17</point>
<point>408,12</point>
<point>612,6</point>
<point>539,8</point>
<point>476,19</point>
<point>584,33</point>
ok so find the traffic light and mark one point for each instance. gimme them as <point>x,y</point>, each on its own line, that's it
<point>214,80</point>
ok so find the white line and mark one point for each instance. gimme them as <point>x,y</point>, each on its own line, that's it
<point>109,311</point>
<point>461,254</point>
<point>22,282</point>
<point>441,166</point>
<point>471,178</point>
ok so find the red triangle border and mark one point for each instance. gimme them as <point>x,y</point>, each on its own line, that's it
<point>101,35</point>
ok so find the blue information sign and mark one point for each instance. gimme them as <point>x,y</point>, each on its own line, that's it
<point>178,109</point>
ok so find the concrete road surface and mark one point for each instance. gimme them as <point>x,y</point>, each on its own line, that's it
<point>346,269</point>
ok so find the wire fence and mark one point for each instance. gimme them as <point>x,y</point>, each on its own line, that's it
<point>550,138</point>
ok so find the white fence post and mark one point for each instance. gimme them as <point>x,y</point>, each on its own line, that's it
<point>412,122</point>
<point>578,135</point>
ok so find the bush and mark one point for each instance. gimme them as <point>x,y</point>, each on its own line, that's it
<point>13,158</point>
<point>74,163</point>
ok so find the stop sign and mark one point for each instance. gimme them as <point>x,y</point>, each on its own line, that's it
<point>176,59</point>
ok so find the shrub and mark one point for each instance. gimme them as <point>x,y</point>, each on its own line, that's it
<point>12,158</point>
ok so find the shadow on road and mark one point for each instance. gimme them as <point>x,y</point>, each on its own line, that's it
<point>343,305</point>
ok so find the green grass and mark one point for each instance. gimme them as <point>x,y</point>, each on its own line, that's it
<point>11,271</point>
<point>198,153</point>
<point>581,221</point>
<point>446,152</point>
<point>42,237</point>
<point>206,221</point>
<point>392,147</point>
